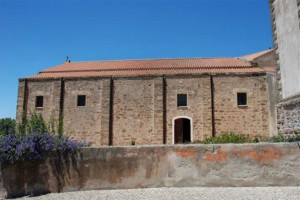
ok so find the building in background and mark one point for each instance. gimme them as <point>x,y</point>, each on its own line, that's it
<point>158,101</point>
<point>286,36</point>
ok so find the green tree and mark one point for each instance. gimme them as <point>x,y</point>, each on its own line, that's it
<point>7,126</point>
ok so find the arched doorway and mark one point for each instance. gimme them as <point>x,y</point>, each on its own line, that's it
<point>182,130</point>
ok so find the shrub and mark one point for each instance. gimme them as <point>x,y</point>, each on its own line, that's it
<point>294,138</point>
<point>34,146</point>
<point>36,123</point>
<point>7,126</point>
<point>278,138</point>
<point>37,143</point>
<point>227,137</point>
<point>52,124</point>
<point>8,147</point>
<point>65,144</point>
<point>285,138</point>
<point>259,138</point>
<point>22,125</point>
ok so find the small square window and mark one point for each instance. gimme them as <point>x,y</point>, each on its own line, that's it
<point>181,100</point>
<point>39,101</point>
<point>242,99</point>
<point>81,100</point>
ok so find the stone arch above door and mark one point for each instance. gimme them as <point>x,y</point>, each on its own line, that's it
<point>182,130</point>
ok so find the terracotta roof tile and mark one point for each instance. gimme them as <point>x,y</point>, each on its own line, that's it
<point>149,64</point>
<point>149,67</point>
<point>252,57</point>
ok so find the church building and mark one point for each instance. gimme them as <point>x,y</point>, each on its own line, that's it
<point>155,101</point>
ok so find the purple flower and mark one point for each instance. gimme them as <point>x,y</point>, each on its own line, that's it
<point>34,146</point>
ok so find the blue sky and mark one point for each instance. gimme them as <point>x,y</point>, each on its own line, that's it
<point>36,34</point>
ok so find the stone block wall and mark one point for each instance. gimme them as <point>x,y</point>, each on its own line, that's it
<point>266,60</point>
<point>198,109</point>
<point>49,89</point>
<point>137,111</point>
<point>86,122</point>
<point>252,119</point>
<point>134,110</point>
<point>21,99</point>
<point>289,116</point>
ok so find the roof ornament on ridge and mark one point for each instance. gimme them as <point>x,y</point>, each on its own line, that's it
<point>68,60</point>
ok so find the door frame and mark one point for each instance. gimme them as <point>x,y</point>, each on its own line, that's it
<point>173,127</point>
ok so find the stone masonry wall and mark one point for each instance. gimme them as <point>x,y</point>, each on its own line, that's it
<point>138,107</point>
<point>198,105</point>
<point>252,119</point>
<point>50,90</point>
<point>137,111</point>
<point>86,122</point>
<point>289,116</point>
<point>267,60</point>
<point>20,100</point>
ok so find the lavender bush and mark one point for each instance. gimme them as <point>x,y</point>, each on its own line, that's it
<point>34,146</point>
<point>8,147</point>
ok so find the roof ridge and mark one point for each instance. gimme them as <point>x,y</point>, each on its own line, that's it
<point>151,59</point>
<point>149,68</point>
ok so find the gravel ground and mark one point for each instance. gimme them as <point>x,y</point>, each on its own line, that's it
<point>245,193</point>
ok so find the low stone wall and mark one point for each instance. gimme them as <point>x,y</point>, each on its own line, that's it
<point>158,166</point>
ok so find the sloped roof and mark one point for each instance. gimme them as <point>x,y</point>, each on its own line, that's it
<point>254,56</point>
<point>149,67</point>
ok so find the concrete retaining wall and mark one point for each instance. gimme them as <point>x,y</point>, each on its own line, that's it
<point>2,189</point>
<point>158,166</point>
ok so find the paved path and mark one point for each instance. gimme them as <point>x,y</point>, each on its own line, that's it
<point>249,193</point>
